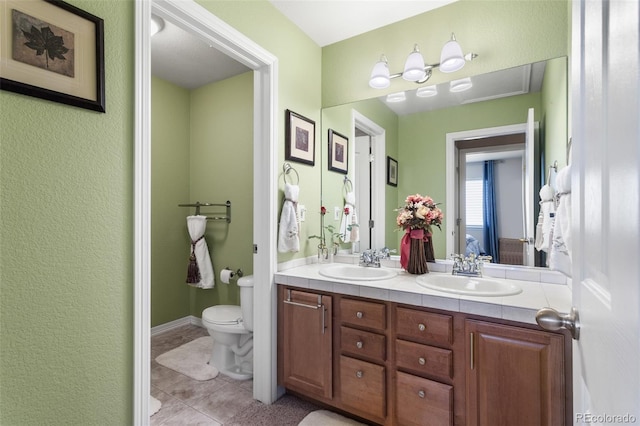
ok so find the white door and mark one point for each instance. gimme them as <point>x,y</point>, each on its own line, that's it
<point>527,193</point>
<point>606,210</point>
<point>363,191</point>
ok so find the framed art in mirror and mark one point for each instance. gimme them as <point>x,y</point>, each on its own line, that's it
<point>338,152</point>
<point>54,51</point>
<point>300,134</point>
<point>392,172</point>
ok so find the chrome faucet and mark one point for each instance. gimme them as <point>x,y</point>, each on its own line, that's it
<point>471,266</point>
<point>372,258</point>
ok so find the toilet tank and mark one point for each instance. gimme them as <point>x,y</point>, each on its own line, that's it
<point>246,301</point>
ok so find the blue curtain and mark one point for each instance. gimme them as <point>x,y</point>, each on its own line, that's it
<point>490,215</point>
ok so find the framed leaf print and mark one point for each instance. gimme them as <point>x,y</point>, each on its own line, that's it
<point>52,50</point>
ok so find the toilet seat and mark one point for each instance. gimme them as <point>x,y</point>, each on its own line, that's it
<point>226,318</point>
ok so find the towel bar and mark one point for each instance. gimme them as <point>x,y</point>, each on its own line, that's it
<point>198,204</point>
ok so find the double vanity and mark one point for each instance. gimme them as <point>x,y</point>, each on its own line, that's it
<point>392,348</point>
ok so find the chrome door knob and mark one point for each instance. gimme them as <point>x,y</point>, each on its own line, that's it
<point>550,319</point>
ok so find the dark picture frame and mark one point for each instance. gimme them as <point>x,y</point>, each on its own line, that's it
<point>392,172</point>
<point>300,138</point>
<point>338,152</point>
<point>55,52</point>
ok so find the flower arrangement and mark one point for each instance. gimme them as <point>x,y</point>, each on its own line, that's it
<point>417,218</point>
<point>419,213</point>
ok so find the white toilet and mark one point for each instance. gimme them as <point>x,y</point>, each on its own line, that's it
<point>231,327</point>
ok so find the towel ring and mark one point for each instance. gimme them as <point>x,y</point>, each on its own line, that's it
<point>348,185</point>
<point>286,169</point>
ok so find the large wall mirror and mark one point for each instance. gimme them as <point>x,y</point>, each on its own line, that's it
<point>447,145</point>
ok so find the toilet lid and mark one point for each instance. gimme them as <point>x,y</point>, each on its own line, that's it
<point>223,314</point>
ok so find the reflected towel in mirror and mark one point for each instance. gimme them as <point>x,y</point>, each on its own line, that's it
<point>349,232</point>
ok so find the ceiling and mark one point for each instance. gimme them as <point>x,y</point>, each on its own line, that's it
<point>189,62</point>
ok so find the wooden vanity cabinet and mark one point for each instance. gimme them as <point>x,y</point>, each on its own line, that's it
<point>515,376</point>
<point>400,365</point>
<point>305,341</point>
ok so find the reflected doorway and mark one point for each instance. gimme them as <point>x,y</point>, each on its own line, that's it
<point>369,181</point>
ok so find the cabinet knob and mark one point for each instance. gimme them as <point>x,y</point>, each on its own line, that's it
<point>422,361</point>
<point>422,327</point>
<point>359,374</point>
<point>359,314</point>
<point>421,394</point>
<point>359,345</point>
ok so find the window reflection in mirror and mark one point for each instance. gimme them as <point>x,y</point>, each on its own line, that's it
<point>415,136</point>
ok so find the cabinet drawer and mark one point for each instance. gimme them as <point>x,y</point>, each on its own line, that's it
<point>424,327</point>
<point>363,343</point>
<point>422,402</point>
<point>363,314</point>
<point>362,386</point>
<point>423,359</point>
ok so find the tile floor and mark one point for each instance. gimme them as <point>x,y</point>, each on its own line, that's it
<point>220,401</point>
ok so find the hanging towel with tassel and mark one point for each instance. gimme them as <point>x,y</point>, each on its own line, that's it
<point>288,234</point>
<point>200,271</point>
<point>349,232</point>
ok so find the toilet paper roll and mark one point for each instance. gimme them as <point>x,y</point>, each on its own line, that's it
<point>226,275</point>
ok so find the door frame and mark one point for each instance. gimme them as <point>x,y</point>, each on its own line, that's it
<point>195,18</point>
<point>378,151</point>
<point>451,159</point>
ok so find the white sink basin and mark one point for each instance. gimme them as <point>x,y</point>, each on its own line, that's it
<point>356,273</point>
<point>472,286</point>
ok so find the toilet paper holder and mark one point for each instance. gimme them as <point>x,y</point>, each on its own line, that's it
<point>237,274</point>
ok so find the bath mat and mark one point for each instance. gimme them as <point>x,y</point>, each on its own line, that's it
<point>154,406</point>
<point>191,359</point>
<point>327,418</point>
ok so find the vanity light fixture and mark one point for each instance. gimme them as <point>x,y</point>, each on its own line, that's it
<point>460,85</point>
<point>157,24</point>
<point>415,69</point>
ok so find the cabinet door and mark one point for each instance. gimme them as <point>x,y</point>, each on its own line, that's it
<point>307,356</point>
<point>515,376</point>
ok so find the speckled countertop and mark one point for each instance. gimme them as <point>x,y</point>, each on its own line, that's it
<point>540,288</point>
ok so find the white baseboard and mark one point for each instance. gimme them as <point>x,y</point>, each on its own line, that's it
<point>168,326</point>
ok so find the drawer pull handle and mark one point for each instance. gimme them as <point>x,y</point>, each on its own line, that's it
<point>421,394</point>
<point>422,361</point>
<point>359,374</point>
<point>359,345</point>
<point>359,314</point>
<point>422,327</point>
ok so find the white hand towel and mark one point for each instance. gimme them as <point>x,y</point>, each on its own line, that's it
<point>197,226</point>
<point>545,218</point>
<point>289,232</point>
<point>349,224</point>
<point>560,255</point>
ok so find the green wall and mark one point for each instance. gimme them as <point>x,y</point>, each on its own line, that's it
<point>221,169</point>
<point>554,117</point>
<point>66,233</point>
<point>170,149</point>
